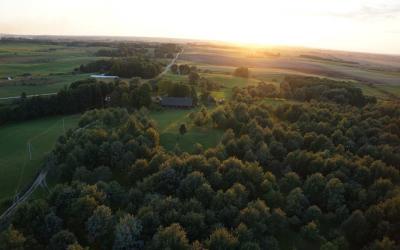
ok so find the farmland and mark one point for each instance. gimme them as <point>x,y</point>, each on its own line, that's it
<point>383,72</point>
<point>40,68</point>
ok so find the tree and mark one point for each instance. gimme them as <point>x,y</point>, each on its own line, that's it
<point>222,239</point>
<point>242,72</point>
<point>127,233</point>
<point>12,239</point>
<point>144,95</point>
<point>193,95</point>
<point>99,225</point>
<point>182,129</point>
<point>62,240</point>
<point>171,237</point>
<point>384,244</point>
<point>310,231</point>
<point>296,202</point>
<point>356,228</point>
<point>334,193</point>
<point>193,78</point>
<point>174,68</point>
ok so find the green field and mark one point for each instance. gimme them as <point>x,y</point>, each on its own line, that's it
<point>40,68</point>
<point>168,123</point>
<point>42,85</point>
<point>17,171</point>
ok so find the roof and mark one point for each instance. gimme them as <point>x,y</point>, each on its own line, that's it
<point>177,101</point>
<point>102,76</point>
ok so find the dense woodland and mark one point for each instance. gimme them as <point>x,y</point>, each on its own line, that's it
<point>126,67</point>
<point>313,172</point>
<point>78,97</point>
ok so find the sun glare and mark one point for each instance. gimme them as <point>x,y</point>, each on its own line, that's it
<point>338,24</point>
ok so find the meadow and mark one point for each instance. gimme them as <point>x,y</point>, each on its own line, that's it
<point>168,123</point>
<point>40,68</point>
<point>17,169</point>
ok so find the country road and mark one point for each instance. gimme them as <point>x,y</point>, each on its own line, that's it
<point>170,64</point>
<point>39,179</point>
<point>17,97</point>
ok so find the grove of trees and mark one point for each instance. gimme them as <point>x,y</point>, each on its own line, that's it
<point>316,175</point>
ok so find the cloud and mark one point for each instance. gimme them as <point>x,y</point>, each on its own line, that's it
<point>368,10</point>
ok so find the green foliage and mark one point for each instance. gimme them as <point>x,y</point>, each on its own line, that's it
<point>12,239</point>
<point>171,237</point>
<point>242,72</point>
<point>127,233</point>
<point>313,175</point>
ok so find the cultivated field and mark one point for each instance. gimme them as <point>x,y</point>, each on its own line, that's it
<point>381,71</point>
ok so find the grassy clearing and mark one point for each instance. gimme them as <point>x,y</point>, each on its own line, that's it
<point>229,82</point>
<point>169,121</point>
<point>16,170</point>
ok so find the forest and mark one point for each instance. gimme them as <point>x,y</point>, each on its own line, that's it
<point>321,172</point>
<point>125,67</point>
<point>78,97</point>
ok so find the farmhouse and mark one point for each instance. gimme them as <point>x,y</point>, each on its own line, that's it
<point>176,102</point>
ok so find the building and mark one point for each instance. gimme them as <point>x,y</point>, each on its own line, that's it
<point>176,102</point>
<point>102,76</point>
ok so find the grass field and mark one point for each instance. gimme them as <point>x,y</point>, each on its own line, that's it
<point>40,68</point>
<point>169,121</point>
<point>16,170</point>
<point>41,85</point>
<point>39,59</point>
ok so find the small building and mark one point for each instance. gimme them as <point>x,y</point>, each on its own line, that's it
<point>103,76</point>
<point>176,102</point>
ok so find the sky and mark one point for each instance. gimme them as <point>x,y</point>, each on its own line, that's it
<point>355,25</point>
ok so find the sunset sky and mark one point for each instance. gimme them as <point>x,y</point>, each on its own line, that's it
<point>359,25</point>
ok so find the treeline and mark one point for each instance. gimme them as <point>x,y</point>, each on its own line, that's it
<point>174,89</point>
<point>125,50</point>
<point>166,50</point>
<point>326,175</point>
<point>78,97</point>
<point>127,67</point>
<point>307,88</point>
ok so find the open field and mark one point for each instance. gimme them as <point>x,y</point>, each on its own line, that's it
<point>381,70</point>
<point>40,59</point>
<point>16,169</point>
<point>169,121</point>
<point>40,68</point>
<point>38,85</point>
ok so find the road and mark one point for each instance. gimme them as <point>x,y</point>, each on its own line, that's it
<point>17,97</point>
<point>39,179</point>
<point>167,68</point>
